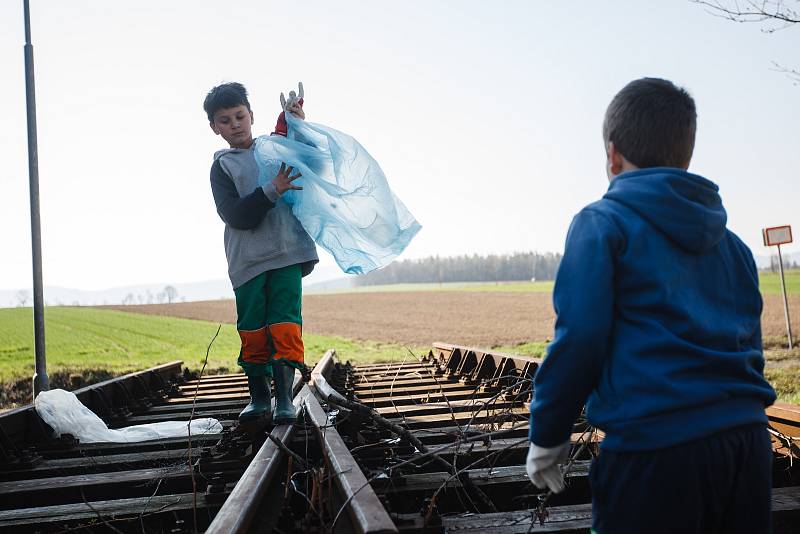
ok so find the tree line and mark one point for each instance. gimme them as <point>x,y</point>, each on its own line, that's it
<point>475,268</point>
<point>168,295</point>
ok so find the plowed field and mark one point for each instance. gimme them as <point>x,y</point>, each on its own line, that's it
<point>487,319</point>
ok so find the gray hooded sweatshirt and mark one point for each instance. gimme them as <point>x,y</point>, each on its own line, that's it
<point>261,232</point>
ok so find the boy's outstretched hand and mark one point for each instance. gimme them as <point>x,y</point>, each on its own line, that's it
<point>283,180</point>
<point>295,103</point>
<point>296,109</point>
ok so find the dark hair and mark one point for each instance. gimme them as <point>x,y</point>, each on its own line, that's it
<point>652,123</point>
<point>223,96</point>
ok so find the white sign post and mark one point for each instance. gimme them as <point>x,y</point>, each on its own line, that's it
<point>777,236</point>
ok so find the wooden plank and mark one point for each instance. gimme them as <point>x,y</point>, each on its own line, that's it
<point>97,479</point>
<point>560,519</point>
<point>97,449</point>
<point>189,394</point>
<point>382,367</point>
<point>212,386</point>
<point>405,390</point>
<point>399,382</point>
<point>217,378</point>
<point>432,421</point>
<point>110,510</point>
<point>202,404</point>
<point>428,396</point>
<point>95,464</point>
<point>184,415</point>
<point>786,499</point>
<point>244,395</point>
<point>457,406</point>
<point>575,518</point>
<point>429,482</point>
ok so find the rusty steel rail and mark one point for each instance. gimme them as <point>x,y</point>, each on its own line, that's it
<point>240,509</point>
<point>366,513</point>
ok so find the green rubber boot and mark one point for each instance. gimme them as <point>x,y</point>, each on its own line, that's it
<point>284,409</point>
<point>260,405</point>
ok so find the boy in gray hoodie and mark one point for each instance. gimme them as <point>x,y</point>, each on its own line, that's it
<point>268,253</point>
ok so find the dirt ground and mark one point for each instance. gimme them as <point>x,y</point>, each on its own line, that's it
<point>420,318</point>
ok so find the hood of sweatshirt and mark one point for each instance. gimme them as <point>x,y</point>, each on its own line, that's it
<point>685,207</point>
<point>219,153</point>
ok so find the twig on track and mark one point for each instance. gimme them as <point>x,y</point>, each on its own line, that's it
<point>391,389</point>
<point>99,515</point>
<point>147,503</point>
<point>465,468</point>
<point>282,446</point>
<point>191,418</point>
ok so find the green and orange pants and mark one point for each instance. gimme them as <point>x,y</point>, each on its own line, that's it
<point>269,321</point>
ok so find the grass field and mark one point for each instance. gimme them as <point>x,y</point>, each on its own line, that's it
<point>770,284</point>
<point>81,339</point>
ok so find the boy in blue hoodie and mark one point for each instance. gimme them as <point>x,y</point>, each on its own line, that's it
<point>658,333</point>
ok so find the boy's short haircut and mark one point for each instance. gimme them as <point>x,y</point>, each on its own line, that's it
<point>652,123</point>
<point>223,96</point>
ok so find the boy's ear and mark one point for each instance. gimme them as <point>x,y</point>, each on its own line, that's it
<point>213,128</point>
<point>615,161</point>
<point>252,120</point>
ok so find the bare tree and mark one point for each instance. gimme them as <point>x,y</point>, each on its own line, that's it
<point>23,296</point>
<point>171,293</point>
<point>775,14</point>
<point>772,15</point>
<point>129,299</point>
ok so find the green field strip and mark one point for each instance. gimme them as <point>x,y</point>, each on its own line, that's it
<point>769,282</point>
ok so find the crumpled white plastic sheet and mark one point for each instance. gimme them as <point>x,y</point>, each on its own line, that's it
<point>67,415</point>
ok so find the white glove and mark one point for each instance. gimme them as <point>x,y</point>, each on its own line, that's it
<point>542,466</point>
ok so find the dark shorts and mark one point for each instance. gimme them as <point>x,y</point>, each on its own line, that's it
<point>718,484</point>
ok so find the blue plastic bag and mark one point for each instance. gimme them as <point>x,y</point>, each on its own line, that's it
<point>346,205</point>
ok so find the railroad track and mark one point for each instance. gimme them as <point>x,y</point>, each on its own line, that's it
<point>434,443</point>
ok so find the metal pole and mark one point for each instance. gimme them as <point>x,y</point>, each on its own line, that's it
<point>40,380</point>
<point>785,300</point>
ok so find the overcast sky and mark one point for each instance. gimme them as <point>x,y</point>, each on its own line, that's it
<point>485,117</point>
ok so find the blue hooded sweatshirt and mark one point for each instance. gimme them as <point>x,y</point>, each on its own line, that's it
<point>658,320</point>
